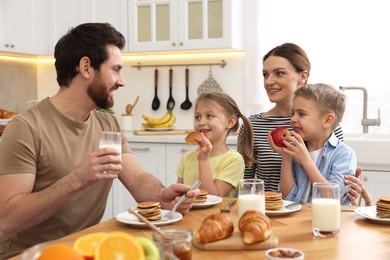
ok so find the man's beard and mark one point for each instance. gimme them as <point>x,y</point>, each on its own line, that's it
<point>99,93</point>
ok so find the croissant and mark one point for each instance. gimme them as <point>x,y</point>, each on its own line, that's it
<point>254,227</point>
<point>215,227</point>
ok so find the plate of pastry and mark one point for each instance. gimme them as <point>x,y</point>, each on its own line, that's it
<point>127,218</point>
<point>285,210</point>
<point>209,201</point>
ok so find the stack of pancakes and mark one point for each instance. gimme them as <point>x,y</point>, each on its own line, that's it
<point>202,197</point>
<point>273,200</point>
<point>383,207</point>
<point>150,210</point>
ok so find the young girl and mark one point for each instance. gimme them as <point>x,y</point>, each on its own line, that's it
<point>217,167</point>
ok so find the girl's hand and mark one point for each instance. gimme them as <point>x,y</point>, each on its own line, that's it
<point>205,147</point>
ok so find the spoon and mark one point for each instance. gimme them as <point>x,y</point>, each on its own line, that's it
<point>131,107</point>
<point>171,101</point>
<point>187,103</point>
<point>156,101</point>
<point>147,222</point>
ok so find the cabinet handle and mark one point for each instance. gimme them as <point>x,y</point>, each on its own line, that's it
<point>146,149</point>
<point>184,150</point>
<point>6,45</point>
<point>12,45</point>
<point>181,44</point>
<point>173,44</point>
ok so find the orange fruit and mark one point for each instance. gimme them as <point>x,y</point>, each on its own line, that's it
<point>60,252</point>
<point>119,245</point>
<point>85,245</point>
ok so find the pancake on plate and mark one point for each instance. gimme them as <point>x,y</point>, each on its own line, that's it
<point>383,207</point>
<point>151,210</point>
<point>202,197</point>
<point>273,200</point>
<point>190,138</point>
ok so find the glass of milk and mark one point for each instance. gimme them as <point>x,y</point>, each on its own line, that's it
<point>111,140</point>
<point>325,209</point>
<point>251,196</point>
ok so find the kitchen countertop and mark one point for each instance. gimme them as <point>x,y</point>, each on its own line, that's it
<point>175,139</point>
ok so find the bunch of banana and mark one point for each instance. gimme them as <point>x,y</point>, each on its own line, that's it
<point>165,121</point>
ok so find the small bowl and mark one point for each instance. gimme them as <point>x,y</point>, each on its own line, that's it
<point>280,253</point>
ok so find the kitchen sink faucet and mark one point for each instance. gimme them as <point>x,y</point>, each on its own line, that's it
<point>365,121</point>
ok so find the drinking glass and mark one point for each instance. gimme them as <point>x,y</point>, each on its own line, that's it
<point>111,140</point>
<point>325,209</point>
<point>251,195</point>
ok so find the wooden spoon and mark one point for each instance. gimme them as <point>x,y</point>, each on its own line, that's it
<point>129,108</point>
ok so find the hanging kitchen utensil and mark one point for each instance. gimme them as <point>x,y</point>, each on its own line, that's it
<point>156,101</point>
<point>187,103</point>
<point>171,101</point>
<point>209,85</point>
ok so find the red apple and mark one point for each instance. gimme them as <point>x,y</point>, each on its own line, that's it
<point>279,134</point>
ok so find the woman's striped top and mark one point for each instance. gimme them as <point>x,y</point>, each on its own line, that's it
<point>268,164</point>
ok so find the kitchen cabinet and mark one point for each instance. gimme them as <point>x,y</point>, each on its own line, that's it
<point>180,25</point>
<point>159,159</point>
<point>21,26</point>
<point>376,182</point>
<point>64,15</point>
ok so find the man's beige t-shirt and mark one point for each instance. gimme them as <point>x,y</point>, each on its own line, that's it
<point>44,142</point>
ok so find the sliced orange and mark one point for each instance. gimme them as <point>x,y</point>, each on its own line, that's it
<point>60,252</point>
<point>85,245</point>
<point>119,245</point>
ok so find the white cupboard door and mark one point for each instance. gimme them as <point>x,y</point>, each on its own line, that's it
<point>181,25</point>
<point>151,157</point>
<point>113,12</point>
<point>153,25</point>
<point>65,15</point>
<point>18,25</point>
<point>174,154</point>
<point>377,183</point>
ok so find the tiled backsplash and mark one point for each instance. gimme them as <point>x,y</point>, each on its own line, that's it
<point>18,83</point>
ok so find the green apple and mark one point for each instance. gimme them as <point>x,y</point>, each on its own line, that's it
<point>150,249</point>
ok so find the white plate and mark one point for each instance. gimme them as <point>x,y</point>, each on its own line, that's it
<point>127,218</point>
<point>4,121</point>
<point>211,200</point>
<point>158,129</point>
<point>370,214</point>
<point>283,211</point>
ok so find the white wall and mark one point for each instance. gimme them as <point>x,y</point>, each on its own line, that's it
<point>141,82</point>
<point>347,43</point>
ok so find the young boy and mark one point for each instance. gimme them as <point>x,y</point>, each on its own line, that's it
<point>313,153</point>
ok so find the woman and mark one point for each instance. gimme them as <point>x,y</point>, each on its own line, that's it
<point>285,69</point>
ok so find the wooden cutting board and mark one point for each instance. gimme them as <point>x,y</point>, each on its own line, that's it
<point>165,132</point>
<point>235,242</point>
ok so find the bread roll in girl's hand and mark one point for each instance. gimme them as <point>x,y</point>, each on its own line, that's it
<point>190,138</point>
<point>215,227</point>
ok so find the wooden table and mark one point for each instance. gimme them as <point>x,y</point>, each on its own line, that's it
<point>358,238</point>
